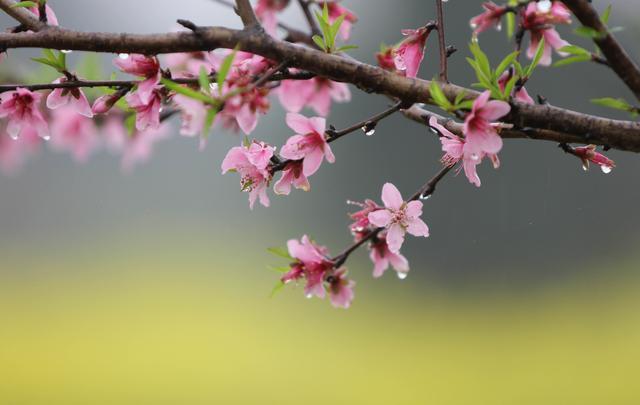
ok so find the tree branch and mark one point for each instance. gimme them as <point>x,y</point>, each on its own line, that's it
<point>22,15</point>
<point>619,60</point>
<point>306,10</point>
<point>623,135</point>
<point>441,42</point>
<point>245,11</point>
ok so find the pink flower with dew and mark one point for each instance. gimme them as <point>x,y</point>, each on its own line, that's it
<point>73,97</point>
<point>453,148</point>
<point>73,133</point>
<point>147,111</point>
<point>409,53</point>
<point>340,289</point>
<point>311,263</point>
<point>14,152</point>
<point>398,217</point>
<point>520,94</point>
<point>252,164</point>
<point>382,257</point>
<point>589,154</point>
<point>21,108</point>
<point>51,16</point>
<point>144,66</point>
<point>481,136</point>
<point>136,148</point>
<point>335,11</point>
<point>309,144</point>
<point>538,19</point>
<point>491,17</point>
<point>267,10</point>
<point>292,175</point>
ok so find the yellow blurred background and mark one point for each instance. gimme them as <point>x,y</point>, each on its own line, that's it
<point>101,325</point>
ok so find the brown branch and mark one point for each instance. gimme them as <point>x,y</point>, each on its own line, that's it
<point>425,191</point>
<point>245,11</point>
<point>623,135</point>
<point>441,42</point>
<point>22,15</point>
<point>619,60</point>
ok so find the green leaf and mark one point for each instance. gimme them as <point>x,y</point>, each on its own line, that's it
<point>588,32</point>
<point>186,91</point>
<point>606,14</point>
<point>225,67</point>
<point>346,48</point>
<point>280,252</point>
<point>459,98</point>
<point>279,269</point>
<point>320,42</point>
<point>511,23</point>
<point>616,103</point>
<point>438,96</point>
<point>536,59</point>
<point>47,62</point>
<point>572,59</point>
<point>508,88</point>
<point>203,80</point>
<point>506,62</point>
<point>481,59</point>
<point>208,121</point>
<point>278,287</point>
<point>27,4</point>
<point>574,50</point>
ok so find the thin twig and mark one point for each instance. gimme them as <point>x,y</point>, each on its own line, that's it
<point>22,15</point>
<point>441,42</point>
<point>245,11</point>
<point>308,14</point>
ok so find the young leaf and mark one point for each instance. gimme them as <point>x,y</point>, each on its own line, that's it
<point>203,80</point>
<point>606,14</point>
<point>572,59</point>
<point>27,4</point>
<point>506,62</point>
<point>439,97</point>
<point>186,91</point>
<point>225,67</point>
<point>208,121</point>
<point>616,103</point>
<point>344,48</point>
<point>278,287</point>
<point>280,252</point>
<point>320,42</point>
<point>536,59</point>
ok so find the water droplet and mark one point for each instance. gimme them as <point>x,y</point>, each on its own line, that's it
<point>66,51</point>
<point>370,132</point>
<point>425,196</point>
<point>123,56</point>
<point>46,137</point>
<point>402,275</point>
<point>544,6</point>
<point>585,167</point>
<point>309,296</point>
<point>160,109</point>
<point>606,169</point>
<point>14,136</point>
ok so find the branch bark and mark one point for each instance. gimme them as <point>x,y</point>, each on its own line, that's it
<point>245,11</point>
<point>618,58</point>
<point>623,135</point>
<point>22,15</point>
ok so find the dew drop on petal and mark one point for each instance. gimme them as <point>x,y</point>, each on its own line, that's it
<point>123,56</point>
<point>606,169</point>
<point>402,275</point>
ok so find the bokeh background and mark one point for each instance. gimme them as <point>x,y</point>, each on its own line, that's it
<point>153,287</point>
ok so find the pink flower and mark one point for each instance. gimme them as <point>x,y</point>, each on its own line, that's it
<point>144,66</point>
<point>147,110</point>
<point>14,152</point>
<point>311,263</point>
<point>481,136</point>
<point>409,54</point>
<point>492,16</point>
<point>21,106</point>
<point>292,176</point>
<point>316,93</point>
<point>104,103</point>
<point>74,133</point>
<point>340,289</point>
<point>252,164</point>
<point>73,97</point>
<point>398,217</point>
<point>309,143</point>
<point>382,257</point>
<point>539,18</point>
<point>588,154</point>
<point>453,148</point>
<point>266,10</point>
<point>520,94</point>
<point>51,16</point>
<point>361,224</point>
<point>194,114</point>
<point>335,11</point>
<point>135,148</point>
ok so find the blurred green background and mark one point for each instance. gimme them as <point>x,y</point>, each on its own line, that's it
<point>153,288</point>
